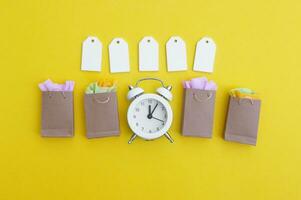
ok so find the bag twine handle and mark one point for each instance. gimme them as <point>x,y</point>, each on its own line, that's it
<point>102,101</point>
<point>62,93</point>
<point>247,98</point>
<point>209,95</point>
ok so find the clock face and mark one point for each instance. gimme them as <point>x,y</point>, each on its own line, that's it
<point>149,116</point>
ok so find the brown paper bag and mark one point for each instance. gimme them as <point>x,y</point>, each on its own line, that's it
<point>57,114</point>
<point>198,114</point>
<point>101,115</point>
<point>242,120</point>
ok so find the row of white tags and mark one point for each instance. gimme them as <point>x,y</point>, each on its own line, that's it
<point>148,55</point>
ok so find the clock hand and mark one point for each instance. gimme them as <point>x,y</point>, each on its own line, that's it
<point>154,109</point>
<point>158,119</point>
<point>149,116</point>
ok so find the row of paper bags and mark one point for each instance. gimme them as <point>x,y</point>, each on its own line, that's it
<point>101,112</point>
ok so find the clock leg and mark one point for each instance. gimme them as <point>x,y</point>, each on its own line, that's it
<point>132,138</point>
<point>168,137</point>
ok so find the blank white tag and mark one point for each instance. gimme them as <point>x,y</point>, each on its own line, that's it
<point>148,54</point>
<point>119,56</point>
<point>204,55</point>
<point>91,54</point>
<point>176,54</point>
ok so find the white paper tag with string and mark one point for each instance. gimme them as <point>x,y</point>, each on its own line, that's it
<point>148,54</point>
<point>204,55</point>
<point>176,54</point>
<point>91,54</point>
<point>119,56</point>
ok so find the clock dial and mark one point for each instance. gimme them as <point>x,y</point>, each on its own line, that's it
<point>149,116</point>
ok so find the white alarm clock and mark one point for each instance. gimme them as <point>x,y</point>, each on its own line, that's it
<point>149,115</point>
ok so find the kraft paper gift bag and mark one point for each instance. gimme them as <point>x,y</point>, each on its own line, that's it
<point>242,120</point>
<point>57,114</point>
<point>198,113</point>
<point>101,115</point>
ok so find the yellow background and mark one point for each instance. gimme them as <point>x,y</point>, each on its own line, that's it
<point>258,46</point>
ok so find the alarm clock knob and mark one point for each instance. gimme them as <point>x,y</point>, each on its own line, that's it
<point>134,92</point>
<point>165,92</point>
